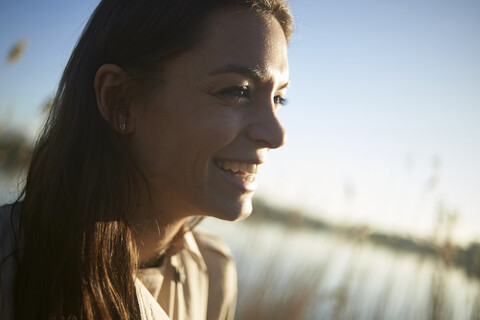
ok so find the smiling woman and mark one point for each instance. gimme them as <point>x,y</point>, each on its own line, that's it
<point>164,114</point>
<point>205,114</point>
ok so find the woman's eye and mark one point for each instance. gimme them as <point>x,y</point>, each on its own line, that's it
<point>280,100</point>
<point>239,92</point>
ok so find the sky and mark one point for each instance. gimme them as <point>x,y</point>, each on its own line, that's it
<point>383,118</point>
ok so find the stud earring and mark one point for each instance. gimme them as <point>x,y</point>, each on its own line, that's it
<point>123,126</point>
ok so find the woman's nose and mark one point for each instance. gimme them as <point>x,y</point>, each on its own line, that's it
<point>266,128</point>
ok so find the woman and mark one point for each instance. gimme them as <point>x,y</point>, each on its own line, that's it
<point>163,115</point>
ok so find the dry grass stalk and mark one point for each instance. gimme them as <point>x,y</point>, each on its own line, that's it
<point>279,296</point>
<point>17,51</point>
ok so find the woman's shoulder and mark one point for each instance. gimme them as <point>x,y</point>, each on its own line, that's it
<point>9,224</point>
<point>10,234</point>
<point>222,273</point>
<point>210,244</point>
<point>5,211</point>
<point>9,241</point>
<point>10,231</point>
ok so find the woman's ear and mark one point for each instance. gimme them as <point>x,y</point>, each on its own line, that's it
<point>110,93</point>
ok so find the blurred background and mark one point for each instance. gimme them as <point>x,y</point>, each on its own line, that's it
<point>372,209</point>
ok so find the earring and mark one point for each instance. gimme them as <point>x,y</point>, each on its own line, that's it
<point>123,126</point>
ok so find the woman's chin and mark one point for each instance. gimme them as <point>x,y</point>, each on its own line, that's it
<point>233,212</point>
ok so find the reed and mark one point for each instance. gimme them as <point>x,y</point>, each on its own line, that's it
<point>270,290</point>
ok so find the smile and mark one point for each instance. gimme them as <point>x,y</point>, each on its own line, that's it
<point>241,170</point>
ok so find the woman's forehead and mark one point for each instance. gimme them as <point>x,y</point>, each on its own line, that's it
<point>239,21</point>
<point>239,41</point>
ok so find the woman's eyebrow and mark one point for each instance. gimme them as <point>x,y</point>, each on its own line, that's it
<point>285,85</point>
<point>256,74</point>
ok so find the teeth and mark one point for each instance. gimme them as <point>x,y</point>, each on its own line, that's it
<point>226,165</point>
<point>234,166</point>
<point>237,167</point>
<point>242,167</point>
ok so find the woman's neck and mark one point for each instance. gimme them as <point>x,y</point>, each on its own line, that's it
<point>157,220</point>
<point>154,237</point>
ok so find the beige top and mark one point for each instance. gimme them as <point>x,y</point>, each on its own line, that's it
<point>197,283</point>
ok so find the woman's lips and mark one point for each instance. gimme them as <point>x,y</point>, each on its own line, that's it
<point>242,174</point>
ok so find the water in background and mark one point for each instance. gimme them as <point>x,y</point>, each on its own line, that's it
<point>9,187</point>
<point>322,275</point>
<point>345,278</point>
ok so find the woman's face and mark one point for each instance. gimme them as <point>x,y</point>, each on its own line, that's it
<point>203,134</point>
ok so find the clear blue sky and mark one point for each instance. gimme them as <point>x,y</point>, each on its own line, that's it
<point>381,90</point>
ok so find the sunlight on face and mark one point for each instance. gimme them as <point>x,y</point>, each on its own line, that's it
<point>201,138</point>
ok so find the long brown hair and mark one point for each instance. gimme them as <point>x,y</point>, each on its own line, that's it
<point>79,257</point>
